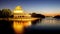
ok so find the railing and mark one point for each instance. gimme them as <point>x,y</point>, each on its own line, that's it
<point>19,19</point>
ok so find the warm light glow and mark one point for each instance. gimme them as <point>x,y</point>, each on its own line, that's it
<point>28,15</point>
<point>26,24</point>
<point>18,27</point>
<point>51,14</point>
<point>18,11</point>
<point>22,20</point>
<point>25,19</point>
<point>18,8</point>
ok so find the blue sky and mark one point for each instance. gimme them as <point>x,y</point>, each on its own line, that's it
<point>38,6</point>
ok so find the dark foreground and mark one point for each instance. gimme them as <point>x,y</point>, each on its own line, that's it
<point>6,28</point>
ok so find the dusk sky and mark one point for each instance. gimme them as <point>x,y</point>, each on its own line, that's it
<point>38,6</point>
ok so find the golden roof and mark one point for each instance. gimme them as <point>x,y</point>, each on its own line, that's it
<point>18,8</point>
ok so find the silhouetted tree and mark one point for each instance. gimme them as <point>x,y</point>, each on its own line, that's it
<point>0,13</point>
<point>11,16</point>
<point>57,16</point>
<point>6,13</point>
<point>37,15</point>
<point>6,25</point>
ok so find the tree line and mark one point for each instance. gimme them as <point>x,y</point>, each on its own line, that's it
<point>5,13</point>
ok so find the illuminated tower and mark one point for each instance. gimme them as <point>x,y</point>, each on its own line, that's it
<point>21,19</point>
<point>18,13</point>
<point>18,9</point>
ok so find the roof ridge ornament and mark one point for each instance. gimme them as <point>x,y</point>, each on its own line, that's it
<point>18,9</point>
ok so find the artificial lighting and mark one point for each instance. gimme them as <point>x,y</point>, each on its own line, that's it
<point>18,11</point>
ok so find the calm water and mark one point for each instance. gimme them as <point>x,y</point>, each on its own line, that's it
<point>49,21</point>
<point>45,23</point>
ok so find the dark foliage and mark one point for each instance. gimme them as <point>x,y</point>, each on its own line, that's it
<point>37,15</point>
<point>5,13</point>
<point>57,16</point>
<point>11,16</point>
<point>0,13</point>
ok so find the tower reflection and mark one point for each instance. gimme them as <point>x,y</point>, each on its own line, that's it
<point>21,20</point>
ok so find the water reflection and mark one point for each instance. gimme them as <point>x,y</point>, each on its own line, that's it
<point>49,22</point>
<point>18,26</point>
